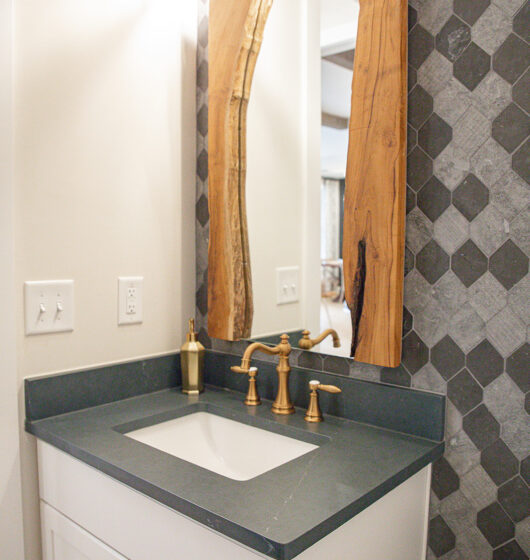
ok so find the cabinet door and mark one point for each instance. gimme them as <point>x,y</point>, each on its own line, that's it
<point>62,539</point>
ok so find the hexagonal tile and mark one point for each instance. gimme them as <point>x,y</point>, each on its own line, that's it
<point>490,162</point>
<point>508,264</point>
<point>444,479</point>
<point>419,168</point>
<point>469,263</point>
<point>435,73</point>
<point>521,91</point>
<point>464,392</point>
<point>418,230</point>
<point>203,32</point>
<point>451,166</point>
<point>415,353</point>
<point>472,66</point>
<point>461,452</point>
<point>396,376</point>
<point>506,331</point>
<point>521,22</point>
<point>202,75</point>
<point>202,120</point>
<point>518,367</point>
<point>447,357</point>
<point>478,488</point>
<point>509,551</point>
<point>452,102</point>
<point>433,198</point>
<point>202,165</point>
<point>470,197</point>
<point>499,462</point>
<point>512,58</point>
<point>485,363</point>
<point>491,29</point>
<point>432,262</point>
<point>421,44</point>
<point>434,135</point>
<point>453,38</point>
<point>441,538</point>
<point>492,95</point>
<point>495,525</point>
<point>201,210</point>
<point>510,195</point>
<point>471,131</point>
<point>503,399</point>
<point>521,161</point>
<point>470,11</point>
<point>420,104</point>
<point>489,230</point>
<point>481,427</point>
<point>432,15</point>
<point>514,497</point>
<point>516,433</point>
<point>451,229</point>
<point>428,379</point>
<point>487,296</point>
<point>511,127</point>
<point>466,327</point>
<point>511,7</point>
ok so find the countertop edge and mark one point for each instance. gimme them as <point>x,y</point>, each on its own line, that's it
<point>273,549</point>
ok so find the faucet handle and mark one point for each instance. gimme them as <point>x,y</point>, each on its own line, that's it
<point>252,398</point>
<point>314,414</point>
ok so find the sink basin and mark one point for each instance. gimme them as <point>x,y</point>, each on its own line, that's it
<point>221,445</point>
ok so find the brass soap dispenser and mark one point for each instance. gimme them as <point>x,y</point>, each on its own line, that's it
<point>191,361</point>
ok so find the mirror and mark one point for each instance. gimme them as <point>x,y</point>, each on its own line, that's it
<point>307,119</point>
<point>297,143</point>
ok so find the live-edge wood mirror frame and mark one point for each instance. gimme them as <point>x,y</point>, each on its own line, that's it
<point>374,205</point>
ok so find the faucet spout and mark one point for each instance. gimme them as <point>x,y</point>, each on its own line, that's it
<point>307,343</point>
<point>282,403</point>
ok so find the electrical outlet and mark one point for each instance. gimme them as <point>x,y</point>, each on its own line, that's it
<point>130,296</point>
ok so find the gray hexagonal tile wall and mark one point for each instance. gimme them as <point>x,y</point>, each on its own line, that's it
<point>466,320</point>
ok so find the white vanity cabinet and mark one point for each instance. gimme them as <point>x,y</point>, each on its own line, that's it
<point>87,515</point>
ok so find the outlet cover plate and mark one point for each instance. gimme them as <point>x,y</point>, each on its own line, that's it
<point>130,300</point>
<point>48,306</point>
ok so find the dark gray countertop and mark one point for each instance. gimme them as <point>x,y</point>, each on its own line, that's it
<point>279,513</point>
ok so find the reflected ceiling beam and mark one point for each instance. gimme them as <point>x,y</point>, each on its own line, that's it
<point>344,59</point>
<point>334,121</point>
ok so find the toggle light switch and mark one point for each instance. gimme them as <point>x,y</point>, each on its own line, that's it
<point>49,306</point>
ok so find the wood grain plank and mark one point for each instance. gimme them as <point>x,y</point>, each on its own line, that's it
<point>235,35</point>
<point>374,206</point>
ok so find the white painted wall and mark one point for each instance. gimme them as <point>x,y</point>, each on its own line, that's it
<point>283,159</point>
<point>105,180</point>
<point>11,539</point>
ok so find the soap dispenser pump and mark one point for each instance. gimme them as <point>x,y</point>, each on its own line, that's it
<point>192,361</point>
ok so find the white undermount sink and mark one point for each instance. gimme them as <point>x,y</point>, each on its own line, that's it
<point>221,445</point>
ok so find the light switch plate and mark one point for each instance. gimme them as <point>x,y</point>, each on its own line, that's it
<point>287,282</point>
<point>49,306</point>
<point>130,300</point>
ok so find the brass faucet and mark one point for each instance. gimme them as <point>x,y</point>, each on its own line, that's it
<point>307,343</point>
<point>282,403</point>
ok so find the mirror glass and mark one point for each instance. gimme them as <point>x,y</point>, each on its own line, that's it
<point>297,142</point>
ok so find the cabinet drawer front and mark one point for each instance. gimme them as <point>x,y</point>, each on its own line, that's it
<point>62,539</point>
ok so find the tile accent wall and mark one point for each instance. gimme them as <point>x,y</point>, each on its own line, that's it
<point>467,288</point>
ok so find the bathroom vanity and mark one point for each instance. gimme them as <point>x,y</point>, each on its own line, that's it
<point>166,475</point>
